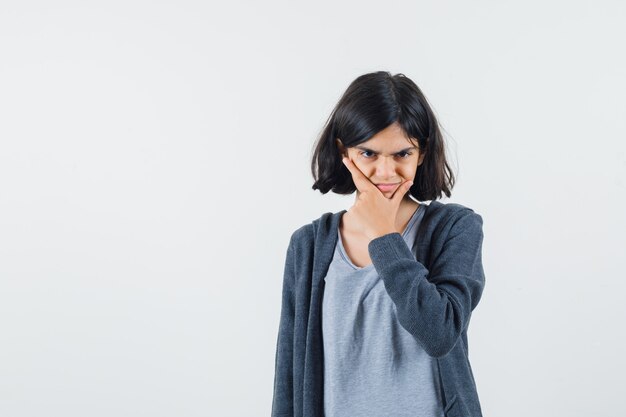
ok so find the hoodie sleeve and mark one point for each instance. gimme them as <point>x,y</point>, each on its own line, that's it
<point>282,402</point>
<point>434,306</point>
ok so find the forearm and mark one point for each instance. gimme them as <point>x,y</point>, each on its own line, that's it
<point>434,306</point>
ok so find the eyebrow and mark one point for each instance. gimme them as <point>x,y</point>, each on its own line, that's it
<point>363,148</point>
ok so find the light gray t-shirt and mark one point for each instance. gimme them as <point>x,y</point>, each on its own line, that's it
<point>372,365</point>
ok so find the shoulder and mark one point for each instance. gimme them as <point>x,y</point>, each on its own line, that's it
<point>319,230</point>
<point>303,237</point>
<point>446,217</point>
<point>447,211</point>
<point>302,234</point>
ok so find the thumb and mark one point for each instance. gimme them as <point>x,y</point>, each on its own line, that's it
<point>401,191</point>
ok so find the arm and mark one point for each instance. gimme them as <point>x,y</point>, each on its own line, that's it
<point>282,402</point>
<point>434,306</point>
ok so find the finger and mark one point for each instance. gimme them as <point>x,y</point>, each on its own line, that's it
<point>360,180</point>
<point>401,191</point>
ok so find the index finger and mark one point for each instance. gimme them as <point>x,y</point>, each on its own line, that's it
<point>360,180</point>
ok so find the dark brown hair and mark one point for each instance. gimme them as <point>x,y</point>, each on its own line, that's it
<point>371,103</point>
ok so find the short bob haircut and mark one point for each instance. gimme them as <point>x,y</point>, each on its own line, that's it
<point>370,104</point>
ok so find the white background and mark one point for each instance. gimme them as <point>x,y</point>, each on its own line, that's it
<point>155,159</point>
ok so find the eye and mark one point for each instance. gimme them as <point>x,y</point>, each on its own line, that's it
<point>401,155</point>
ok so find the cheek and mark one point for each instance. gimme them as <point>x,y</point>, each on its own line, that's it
<point>364,167</point>
<point>408,170</point>
<point>359,161</point>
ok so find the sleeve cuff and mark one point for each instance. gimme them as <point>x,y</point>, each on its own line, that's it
<point>388,248</point>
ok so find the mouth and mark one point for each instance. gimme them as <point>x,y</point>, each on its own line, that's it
<point>387,187</point>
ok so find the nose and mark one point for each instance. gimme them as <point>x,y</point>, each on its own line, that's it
<point>385,168</point>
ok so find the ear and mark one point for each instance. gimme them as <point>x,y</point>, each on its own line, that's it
<point>342,149</point>
<point>421,157</point>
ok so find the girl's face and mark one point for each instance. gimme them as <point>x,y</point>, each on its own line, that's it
<point>388,157</point>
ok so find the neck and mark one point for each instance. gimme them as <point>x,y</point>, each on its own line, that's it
<point>405,211</point>
<point>405,201</point>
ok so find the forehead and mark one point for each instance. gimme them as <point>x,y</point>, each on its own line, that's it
<point>390,139</point>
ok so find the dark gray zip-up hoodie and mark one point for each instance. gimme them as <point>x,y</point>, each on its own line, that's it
<point>434,293</point>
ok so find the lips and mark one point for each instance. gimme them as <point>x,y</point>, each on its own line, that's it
<point>387,187</point>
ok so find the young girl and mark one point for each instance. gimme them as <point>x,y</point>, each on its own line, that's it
<point>377,299</point>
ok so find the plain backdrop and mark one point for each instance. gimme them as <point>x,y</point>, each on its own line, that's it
<point>155,159</point>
